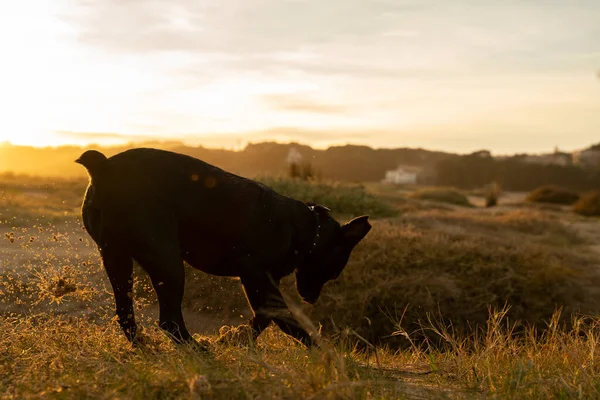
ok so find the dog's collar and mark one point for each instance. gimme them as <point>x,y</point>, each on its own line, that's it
<point>313,245</point>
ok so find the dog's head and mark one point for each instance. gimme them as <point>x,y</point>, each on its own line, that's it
<point>92,160</point>
<point>332,247</point>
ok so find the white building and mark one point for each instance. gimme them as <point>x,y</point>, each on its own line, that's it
<point>401,176</point>
<point>556,158</point>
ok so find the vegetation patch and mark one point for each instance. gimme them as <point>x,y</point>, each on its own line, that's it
<point>66,357</point>
<point>492,193</point>
<point>25,200</point>
<point>529,224</point>
<point>553,195</point>
<point>340,198</point>
<point>410,269</point>
<point>588,204</point>
<point>442,195</point>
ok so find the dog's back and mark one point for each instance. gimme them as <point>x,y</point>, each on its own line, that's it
<point>148,180</point>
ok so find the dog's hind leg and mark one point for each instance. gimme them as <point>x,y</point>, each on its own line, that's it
<point>119,268</point>
<point>159,255</point>
<point>167,275</point>
<point>269,306</point>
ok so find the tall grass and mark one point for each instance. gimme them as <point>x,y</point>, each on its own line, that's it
<point>554,362</point>
<point>71,358</point>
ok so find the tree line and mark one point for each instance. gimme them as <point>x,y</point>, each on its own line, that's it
<point>472,171</point>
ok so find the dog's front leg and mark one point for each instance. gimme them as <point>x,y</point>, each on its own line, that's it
<point>259,290</point>
<point>119,268</point>
<point>269,306</point>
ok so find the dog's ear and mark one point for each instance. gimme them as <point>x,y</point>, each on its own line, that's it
<point>356,229</point>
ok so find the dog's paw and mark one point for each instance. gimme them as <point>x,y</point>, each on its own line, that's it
<point>241,335</point>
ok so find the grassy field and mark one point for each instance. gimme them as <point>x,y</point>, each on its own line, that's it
<point>440,301</point>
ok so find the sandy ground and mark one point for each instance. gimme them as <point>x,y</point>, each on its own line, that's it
<point>63,241</point>
<point>40,247</point>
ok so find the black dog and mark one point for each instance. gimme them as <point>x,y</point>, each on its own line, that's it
<point>162,208</point>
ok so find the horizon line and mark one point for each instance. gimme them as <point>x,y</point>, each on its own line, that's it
<point>182,141</point>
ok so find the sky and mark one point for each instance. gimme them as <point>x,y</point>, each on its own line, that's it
<point>455,75</point>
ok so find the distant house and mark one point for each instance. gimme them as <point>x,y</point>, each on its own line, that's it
<point>402,176</point>
<point>556,158</point>
<point>588,158</point>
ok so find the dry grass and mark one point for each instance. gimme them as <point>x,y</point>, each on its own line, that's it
<point>556,362</point>
<point>409,317</point>
<point>457,265</point>
<point>536,225</point>
<point>71,358</point>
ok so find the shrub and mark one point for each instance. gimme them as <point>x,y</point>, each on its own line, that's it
<point>443,195</point>
<point>342,199</point>
<point>301,171</point>
<point>409,271</point>
<point>491,195</point>
<point>553,194</point>
<point>588,204</point>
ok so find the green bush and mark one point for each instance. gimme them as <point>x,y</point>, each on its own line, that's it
<point>588,204</point>
<point>553,194</point>
<point>443,195</point>
<point>340,198</point>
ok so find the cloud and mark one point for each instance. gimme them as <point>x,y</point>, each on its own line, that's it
<point>316,137</point>
<point>342,39</point>
<point>297,103</point>
<point>337,37</point>
<point>221,26</point>
<point>102,138</point>
<point>312,135</point>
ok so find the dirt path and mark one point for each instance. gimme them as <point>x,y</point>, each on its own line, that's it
<point>62,243</point>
